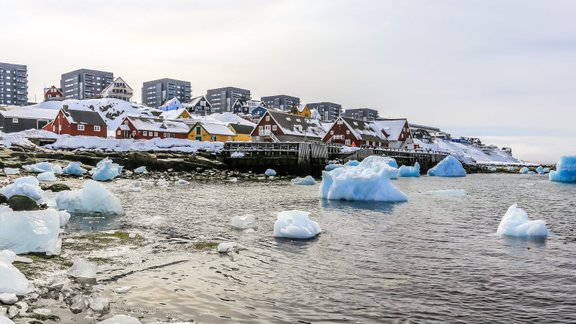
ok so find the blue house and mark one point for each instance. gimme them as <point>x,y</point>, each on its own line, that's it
<point>258,111</point>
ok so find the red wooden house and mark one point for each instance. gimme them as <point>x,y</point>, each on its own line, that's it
<point>53,94</point>
<point>148,128</point>
<point>357,133</point>
<point>277,126</point>
<point>78,122</point>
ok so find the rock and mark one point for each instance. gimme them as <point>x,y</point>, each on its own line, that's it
<point>12,311</point>
<point>79,304</point>
<point>3,199</point>
<point>100,304</point>
<point>8,299</point>
<point>226,247</point>
<point>42,311</point>
<point>21,202</point>
<point>57,187</point>
<point>122,290</point>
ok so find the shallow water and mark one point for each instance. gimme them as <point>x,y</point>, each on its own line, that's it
<point>434,258</point>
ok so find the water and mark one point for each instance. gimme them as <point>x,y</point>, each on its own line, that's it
<point>432,259</point>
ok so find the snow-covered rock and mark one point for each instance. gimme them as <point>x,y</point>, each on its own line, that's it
<point>99,304</point>
<point>295,224</point>
<point>83,269</point>
<point>517,224</point>
<point>565,170</point>
<point>12,281</point>
<point>524,170</point>
<point>75,169</point>
<point>92,198</point>
<point>27,186</point>
<point>270,172</point>
<point>8,298</point>
<point>368,181</point>
<point>409,171</point>
<point>106,170</point>
<point>47,176</point>
<point>449,167</point>
<point>120,319</point>
<point>30,231</point>
<point>140,170</point>
<point>181,182</point>
<point>11,171</point>
<point>237,155</point>
<point>243,222</point>
<point>306,181</point>
<point>226,247</point>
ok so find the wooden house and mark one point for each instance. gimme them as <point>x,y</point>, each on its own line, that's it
<point>398,132</point>
<point>19,119</point>
<point>301,110</point>
<point>277,126</point>
<point>78,122</point>
<point>242,132</point>
<point>356,133</point>
<point>53,94</point>
<point>210,132</point>
<point>181,113</point>
<point>148,128</point>
<point>199,106</point>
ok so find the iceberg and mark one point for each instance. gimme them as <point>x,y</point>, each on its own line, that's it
<point>106,170</point>
<point>524,170</point>
<point>141,169</point>
<point>516,223</point>
<point>75,169</point>
<point>270,172</point>
<point>181,182</point>
<point>39,167</point>
<point>47,176</point>
<point>226,247</point>
<point>565,170</point>
<point>295,224</point>
<point>243,222</point>
<point>408,171</point>
<point>333,166</point>
<point>306,181</point>
<point>351,163</point>
<point>449,167</point>
<point>11,171</point>
<point>368,181</point>
<point>28,186</point>
<point>92,198</point>
<point>12,281</point>
<point>540,170</point>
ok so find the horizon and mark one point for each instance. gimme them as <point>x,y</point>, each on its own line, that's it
<point>467,68</point>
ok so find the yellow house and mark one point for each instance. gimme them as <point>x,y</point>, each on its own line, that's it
<point>302,111</point>
<point>181,113</point>
<point>210,132</point>
<point>242,132</point>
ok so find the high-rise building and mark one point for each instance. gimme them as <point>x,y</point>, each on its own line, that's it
<point>222,99</point>
<point>282,102</point>
<point>85,83</point>
<point>366,114</point>
<point>13,84</point>
<point>328,111</point>
<point>156,92</point>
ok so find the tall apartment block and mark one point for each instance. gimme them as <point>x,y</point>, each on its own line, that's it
<point>156,92</point>
<point>362,114</point>
<point>328,111</point>
<point>13,84</point>
<point>282,102</point>
<point>222,99</point>
<point>85,83</point>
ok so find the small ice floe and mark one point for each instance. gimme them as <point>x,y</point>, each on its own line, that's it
<point>7,298</point>
<point>565,170</point>
<point>449,167</point>
<point>99,304</point>
<point>120,319</point>
<point>12,281</point>
<point>135,186</point>
<point>243,222</point>
<point>236,155</point>
<point>122,290</point>
<point>306,181</point>
<point>106,170</point>
<point>516,223</point>
<point>524,170</point>
<point>47,176</point>
<point>181,182</point>
<point>540,170</point>
<point>226,247</point>
<point>83,269</point>
<point>140,170</point>
<point>270,172</point>
<point>409,171</point>
<point>40,167</point>
<point>27,186</point>
<point>92,198</point>
<point>75,169</point>
<point>233,179</point>
<point>11,171</point>
<point>295,224</point>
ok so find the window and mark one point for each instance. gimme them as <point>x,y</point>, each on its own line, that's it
<point>198,130</point>
<point>347,132</point>
<point>267,118</point>
<point>81,128</point>
<point>347,142</point>
<point>331,132</point>
<point>118,132</point>
<point>14,120</point>
<point>199,138</point>
<point>145,133</point>
<point>96,128</point>
<point>155,134</point>
<point>214,138</point>
<point>267,129</point>
<point>274,127</point>
<point>260,130</point>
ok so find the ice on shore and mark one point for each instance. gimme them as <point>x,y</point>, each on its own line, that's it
<point>28,186</point>
<point>524,170</point>
<point>540,170</point>
<point>83,269</point>
<point>226,247</point>
<point>236,155</point>
<point>565,170</point>
<point>517,224</point>
<point>12,281</point>
<point>47,176</point>
<point>306,181</point>
<point>141,170</point>
<point>333,166</point>
<point>449,167</point>
<point>270,172</point>
<point>121,319</point>
<point>492,169</point>
<point>181,182</point>
<point>368,181</point>
<point>11,171</point>
<point>31,231</point>
<point>92,198</point>
<point>39,167</point>
<point>243,222</point>
<point>75,169</point>
<point>106,170</point>
<point>295,224</point>
<point>409,171</point>
<point>351,163</point>
<point>162,183</point>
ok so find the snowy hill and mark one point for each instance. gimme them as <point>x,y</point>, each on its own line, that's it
<point>471,154</point>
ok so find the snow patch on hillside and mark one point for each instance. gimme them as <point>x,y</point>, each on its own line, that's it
<point>470,154</point>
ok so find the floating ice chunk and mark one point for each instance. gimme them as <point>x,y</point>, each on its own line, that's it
<point>237,155</point>
<point>243,222</point>
<point>516,223</point>
<point>306,181</point>
<point>333,166</point>
<point>546,170</point>
<point>449,167</point>
<point>27,186</point>
<point>30,231</point>
<point>141,169</point>
<point>92,198</point>
<point>295,224</point>
<point>226,247</point>
<point>120,319</point>
<point>565,170</point>
<point>409,171</point>
<point>11,171</point>
<point>47,176</point>
<point>270,172</point>
<point>524,170</point>
<point>39,167</point>
<point>181,182</point>
<point>351,163</point>
<point>369,181</point>
<point>75,169</point>
<point>12,281</point>
<point>106,170</point>
<point>540,170</point>
<point>83,269</point>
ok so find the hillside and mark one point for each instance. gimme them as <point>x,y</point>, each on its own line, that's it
<point>470,154</point>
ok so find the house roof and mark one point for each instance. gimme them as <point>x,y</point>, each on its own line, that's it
<point>242,129</point>
<point>196,101</point>
<point>171,104</point>
<point>392,127</point>
<point>30,113</point>
<point>83,117</point>
<point>216,129</point>
<point>158,125</point>
<point>365,130</point>
<point>172,114</point>
<point>297,125</point>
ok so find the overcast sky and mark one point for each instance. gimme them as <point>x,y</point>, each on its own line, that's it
<point>504,70</point>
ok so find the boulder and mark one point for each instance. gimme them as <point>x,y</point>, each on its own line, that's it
<point>3,199</point>
<point>21,202</point>
<point>57,187</point>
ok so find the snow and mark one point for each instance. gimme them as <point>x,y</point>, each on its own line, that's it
<point>306,181</point>
<point>270,172</point>
<point>470,154</point>
<point>92,198</point>
<point>217,129</point>
<point>368,181</point>
<point>47,176</point>
<point>120,319</point>
<point>74,168</point>
<point>295,224</point>
<point>83,269</point>
<point>31,231</point>
<point>565,170</point>
<point>106,170</point>
<point>28,186</point>
<point>12,281</point>
<point>226,247</point>
<point>243,222</point>
<point>409,171</point>
<point>348,149</point>
<point>237,155</point>
<point>449,167</point>
<point>140,170</point>
<point>517,224</point>
<point>524,170</point>
<point>11,171</point>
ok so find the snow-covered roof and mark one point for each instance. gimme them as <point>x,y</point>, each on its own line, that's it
<point>364,130</point>
<point>88,117</point>
<point>392,127</point>
<point>171,104</point>
<point>227,117</point>
<point>196,102</point>
<point>158,125</point>
<point>30,113</point>
<point>242,129</point>
<point>172,114</point>
<point>108,90</point>
<point>300,107</point>
<point>297,125</point>
<point>217,129</point>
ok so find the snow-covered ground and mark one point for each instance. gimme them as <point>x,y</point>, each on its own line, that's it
<point>470,154</point>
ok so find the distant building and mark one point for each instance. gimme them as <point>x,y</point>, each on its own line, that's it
<point>78,122</point>
<point>85,83</point>
<point>199,106</point>
<point>282,102</point>
<point>53,94</point>
<point>361,114</point>
<point>148,128</point>
<point>301,110</point>
<point>397,132</point>
<point>13,84</point>
<point>23,118</point>
<point>118,89</point>
<point>277,126</point>
<point>156,92</point>
<point>223,99</point>
<point>356,133</point>
<point>328,111</point>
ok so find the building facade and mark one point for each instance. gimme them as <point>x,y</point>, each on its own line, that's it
<point>85,83</point>
<point>118,89</point>
<point>23,118</point>
<point>223,99</point>
<point>282,102</point>
<point>53,94</point>
<point>156,92</point>
<point>13,84</point>
<point>356,133</point>
<point>78,122</point>
<point>362,114</point>
<point>328,111</point>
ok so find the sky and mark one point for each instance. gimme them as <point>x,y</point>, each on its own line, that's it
<point>501,70</point>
